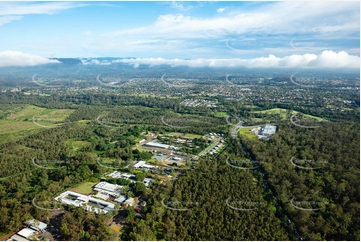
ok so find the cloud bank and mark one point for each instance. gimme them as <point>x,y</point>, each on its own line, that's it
<point>302,17</point>
<point>94,62</point>
<point>327,59</point>
<point>14,58</point>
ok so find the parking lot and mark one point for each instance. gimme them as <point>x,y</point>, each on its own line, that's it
<point>53,228</point>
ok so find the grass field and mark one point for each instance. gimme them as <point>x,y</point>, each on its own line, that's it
<point>283,113</point>
<point>220,114</point>
<point>312,117</point>
<point>137,171</point>
<point>26,112</point>
<point>257,119</point>
<point>190,136</point>
<point>17,122</point>
<point>9,126</point>
<point>76,145</point>
<point>247,133</point>
<point>84,188</point>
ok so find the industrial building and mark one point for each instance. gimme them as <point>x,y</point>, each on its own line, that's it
<point>29,234</point>
<point>268,130</point>
<point>157,145</point>
<point>143,164</point>
<point>89,203</point>
<point>117,174</point>
<point>108,188</point>
<point>16,237</point>
<point>36,225</point>
<point>26,233</point>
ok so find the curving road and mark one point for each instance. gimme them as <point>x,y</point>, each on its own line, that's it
<point>291,79</point>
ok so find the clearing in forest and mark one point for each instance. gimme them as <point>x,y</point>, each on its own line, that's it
<point>284,113</point>
<point>16,121</point>
<point>84,188</point>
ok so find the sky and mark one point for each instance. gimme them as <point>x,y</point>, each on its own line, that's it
<point>216,34</point>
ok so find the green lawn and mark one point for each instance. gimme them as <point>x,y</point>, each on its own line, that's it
<point>283,113</point>
<point>80,144</point>
<point>22,112</point>
<point>17,122</point>
<point>220,114</point>
<point>10,126</point>
<point>258,119</point>
<point>312,117</point>
<point>84,188</point>
<point>247,133</point>
<point>192,136</point>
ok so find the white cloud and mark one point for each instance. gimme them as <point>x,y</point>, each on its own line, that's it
<point>14,58</point>
<point>220,10</point>
<point>8,19</point>
<point>275,18</point>
<point>333,59</point>
<point>23,8</point>
<point>327,59</point>
<point>10,11</point>
<point>271,26</point>
<point>180,6</point>
<point>95,62</point>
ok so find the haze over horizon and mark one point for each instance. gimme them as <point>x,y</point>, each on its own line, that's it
<point>194,34</point>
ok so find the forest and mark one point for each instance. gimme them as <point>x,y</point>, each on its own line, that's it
<point>210,201</point>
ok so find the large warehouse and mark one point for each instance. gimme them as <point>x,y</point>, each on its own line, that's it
<point>268,130</point>
<point>108,188</point>
<point>157,145</point>
<point>91,204</point>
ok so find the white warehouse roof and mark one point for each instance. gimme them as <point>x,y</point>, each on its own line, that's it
<point>143,164</point>
<point>158,145</point>
<point>139,164</point>
<point>37,224</point>
<point>26,233</point>
<point>107,186</point>
<point>16,237</point>
<point>82,199</point>
<point>268,130</point>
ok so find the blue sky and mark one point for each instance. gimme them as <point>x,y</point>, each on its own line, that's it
<point>285,33</point>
